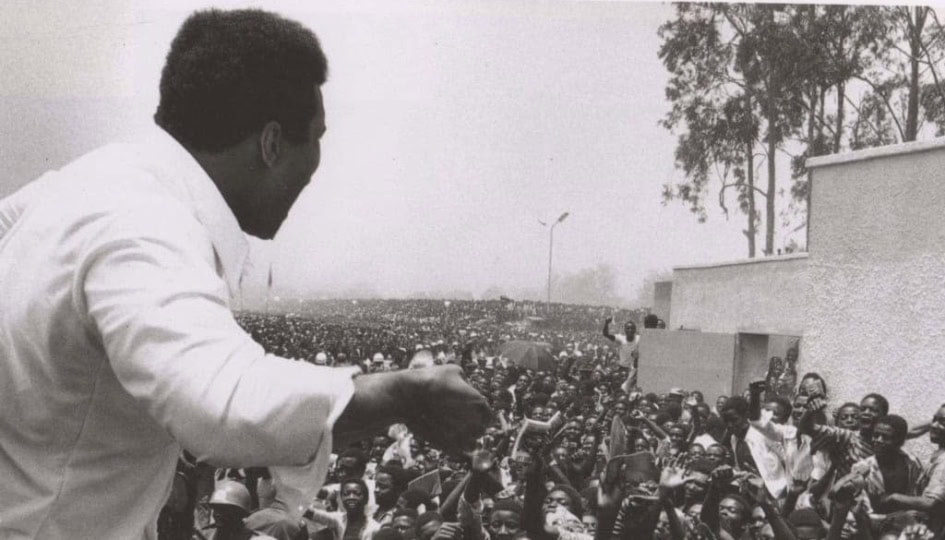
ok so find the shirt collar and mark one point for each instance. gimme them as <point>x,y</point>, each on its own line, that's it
<point>177,168</point>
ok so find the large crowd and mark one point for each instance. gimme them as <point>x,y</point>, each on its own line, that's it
<point>578,450</point>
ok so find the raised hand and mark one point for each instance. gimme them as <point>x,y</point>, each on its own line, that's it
<point>816,404</point>
<point>861,511</point>
<point>482,461</point>
<point>916,532</point>
<point>672,477</point>
<point>843,492</point>
<point>754,488</point>
<point>722,475</point>
<point>449,531</point>
<point>757,387</point>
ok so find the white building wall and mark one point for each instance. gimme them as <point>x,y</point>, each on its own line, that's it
<point>876,315</point>
<point>764,295</point>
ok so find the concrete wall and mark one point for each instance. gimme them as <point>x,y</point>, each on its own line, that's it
<point>662,299</point>
<point>877,276</point>
<point>689,360</point>
<point>763,296</point>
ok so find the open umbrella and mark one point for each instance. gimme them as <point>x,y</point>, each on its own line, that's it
<point>529,354</point>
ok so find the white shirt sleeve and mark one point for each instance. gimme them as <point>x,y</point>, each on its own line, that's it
<point>151,290</point>
<point>777,433</point>
<point>12,207</point>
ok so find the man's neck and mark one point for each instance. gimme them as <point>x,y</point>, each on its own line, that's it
<point>890,459</point>
<point>233,171</point>
<point>356,516</point>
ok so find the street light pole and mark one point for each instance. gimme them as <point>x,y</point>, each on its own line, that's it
<point>551,244</point>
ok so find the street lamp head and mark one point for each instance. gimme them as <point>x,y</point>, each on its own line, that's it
<point>563,217</point>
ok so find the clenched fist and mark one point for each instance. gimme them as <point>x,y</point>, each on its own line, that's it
<point>444,409</point>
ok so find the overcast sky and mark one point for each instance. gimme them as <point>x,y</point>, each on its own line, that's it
<point>453,127</point>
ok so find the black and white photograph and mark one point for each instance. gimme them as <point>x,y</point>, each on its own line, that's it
<point>471,270</point>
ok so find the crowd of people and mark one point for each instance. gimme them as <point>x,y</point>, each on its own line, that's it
<point>578,450</point>
<point>346,331</point>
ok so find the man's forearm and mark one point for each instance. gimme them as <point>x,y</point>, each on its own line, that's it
<point>919,430</point>
<point>657,430</point>
<point>710,508</point>
<point>911,502</point>
<point>805,426</point>
<point>558,475</point>
<point>606,519</point>
<point>676,530</point>
<point>451,504</point>
<point>471,491</point>
<point>607,333</point>
<point>780,527</point>
<point>837,521</point>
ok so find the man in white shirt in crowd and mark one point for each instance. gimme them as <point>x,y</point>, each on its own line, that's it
<point>117,344</point>
<point>629,353</point>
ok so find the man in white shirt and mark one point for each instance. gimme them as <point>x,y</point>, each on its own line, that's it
<point>629,354</point>
<point>760,441</point>
<point>117,344</point>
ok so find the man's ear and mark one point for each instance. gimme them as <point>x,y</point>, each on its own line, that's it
<point>270,143</point>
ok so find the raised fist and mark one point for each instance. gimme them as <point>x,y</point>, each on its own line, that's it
<point>816,404</point>
<point>482,461</point>
<point>722,475</point>
<point>446,410</point>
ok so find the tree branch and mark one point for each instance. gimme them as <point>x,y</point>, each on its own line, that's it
<point>905,12</point>
<point>938,86</point>
<point>941,30</point>
<point>722,199</point>
<point>889,107</point>
<point>859,117</point>
<point>726,186</point>
<point>738,29</point>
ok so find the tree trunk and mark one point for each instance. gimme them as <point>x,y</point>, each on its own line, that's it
<point>812,151</point>
<point>915,50</point>
<point>749,152</point>
<point>838,135</point>
<point>823,110</point>
<point>750,178</point>
<point>841,86</point>
<point>772,117</point>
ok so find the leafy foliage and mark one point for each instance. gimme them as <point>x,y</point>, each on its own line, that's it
<point>748,81</point>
